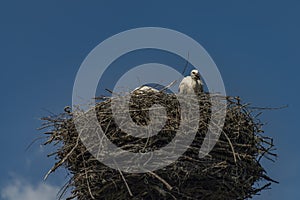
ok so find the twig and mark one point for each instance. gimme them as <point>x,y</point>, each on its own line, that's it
<point>229,141</point>
<point>168,86</point>
<point>63,160</point>
<point>268,108</point>
<point>87,180</point>
<point>126,184</point>
<point>231,146</point>
<point>161,179</point>
<point>36,139</point>
<point>186,64</point>
<point>110,91</point>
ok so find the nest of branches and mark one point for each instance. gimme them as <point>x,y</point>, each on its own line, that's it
<point>232,170</point>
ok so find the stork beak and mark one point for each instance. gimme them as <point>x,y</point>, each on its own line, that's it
<point>198,76</point>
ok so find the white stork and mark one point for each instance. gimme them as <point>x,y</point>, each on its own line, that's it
<point>144,89</point>
<point>191,84</point>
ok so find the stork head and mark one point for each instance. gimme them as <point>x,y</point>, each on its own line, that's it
<point>195,74</point>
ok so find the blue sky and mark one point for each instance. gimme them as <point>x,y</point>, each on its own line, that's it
<point>255,45</point>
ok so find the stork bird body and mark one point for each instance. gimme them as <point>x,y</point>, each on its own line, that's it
<point>145,89</point>
<point>191,84</point>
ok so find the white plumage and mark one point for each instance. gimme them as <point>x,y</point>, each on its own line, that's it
<point>191,84</point>
<point>144,88</point>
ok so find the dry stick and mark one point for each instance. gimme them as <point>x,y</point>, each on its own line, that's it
<point>186,64</point>
<point>228,139</point>
<point>126,184</point>
<point>63,190</point>
<point>36,139</point>
<point>142,109</point>
<point>148,139</point>
<point>161,179</point>
<point>87,180</point>
<point>233,152</point>
<point>168,86</point>
<point>44,127</point>
<point>269,108</point>
<point>63,160</point>
<point>110,91</point>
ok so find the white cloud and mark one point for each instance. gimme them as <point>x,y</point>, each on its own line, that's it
<point>22,190</point>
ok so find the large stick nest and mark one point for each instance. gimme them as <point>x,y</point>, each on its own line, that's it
<point>232,170</point>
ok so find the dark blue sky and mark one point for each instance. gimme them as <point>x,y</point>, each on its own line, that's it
<point>255,45</point>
